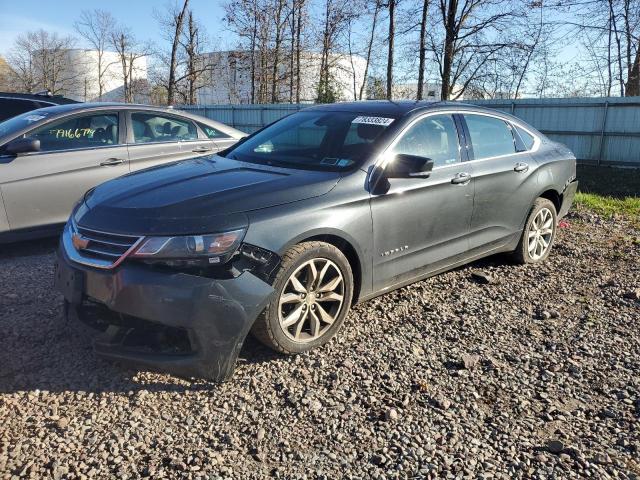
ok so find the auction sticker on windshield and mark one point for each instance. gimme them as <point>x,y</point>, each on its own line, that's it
<point>373,120</point>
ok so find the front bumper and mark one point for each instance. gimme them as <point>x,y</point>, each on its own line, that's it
<point>186,325</point>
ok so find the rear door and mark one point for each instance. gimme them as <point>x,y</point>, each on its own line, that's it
<point>504,180</point>
<point>76,153</point>
<point>156,138</point>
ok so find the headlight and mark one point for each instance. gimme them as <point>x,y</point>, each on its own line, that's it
<point>190,249</point>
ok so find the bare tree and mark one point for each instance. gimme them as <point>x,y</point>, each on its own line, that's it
<point>40,60</point>
<point>130,52</point>
<point>246,18</point>
<point>377,5</point>
<point>96,27</point>
<point>467,43</point>
<point>391,5</point>
<point>422,48</point>
<point>172,21</point>
<point>336,17</point>
<point>280,19</point>
<point>193,41</point>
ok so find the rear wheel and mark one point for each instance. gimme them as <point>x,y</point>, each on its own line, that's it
<point>538,234</point>
<point>314,288</point>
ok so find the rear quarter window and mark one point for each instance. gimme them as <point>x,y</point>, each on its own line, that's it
<point>528,139</point>
<point>211,132</point>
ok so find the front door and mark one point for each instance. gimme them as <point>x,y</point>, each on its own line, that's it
<point>421,224</point>
<point>505,181</point>
<point>76,154</point>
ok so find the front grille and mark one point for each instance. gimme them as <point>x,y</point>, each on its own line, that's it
<point>107,246</point>
<point>96,248</point>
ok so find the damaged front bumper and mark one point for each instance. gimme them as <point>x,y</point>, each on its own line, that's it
<point>183,324</point>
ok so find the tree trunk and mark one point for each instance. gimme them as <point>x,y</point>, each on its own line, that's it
<point>449,43</point>
<point>254,38</point>
<point>633,81</point>
<point>298,49</point>
<point>179,20</point>
<point>276,52</point>
<point>292,52</point>
<point>191,48</point>
<point>369,49</point>
<point>422,51</point>
<point>392,11</point>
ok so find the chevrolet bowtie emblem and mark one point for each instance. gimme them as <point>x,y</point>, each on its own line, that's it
<point>79,242</point>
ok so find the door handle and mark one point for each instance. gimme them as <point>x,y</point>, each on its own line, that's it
<point>521,167</point>
<point>461,178</point>
<point>111,162</point>
<point>202,150</point>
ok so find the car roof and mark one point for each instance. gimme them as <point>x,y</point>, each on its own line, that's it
<point>56,111</point>
<point>57,99</point>
<point>72,107</point>
<point>398,108</point>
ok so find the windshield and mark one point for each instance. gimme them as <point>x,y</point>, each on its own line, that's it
<point>315,140</point>
<point>15,124</point>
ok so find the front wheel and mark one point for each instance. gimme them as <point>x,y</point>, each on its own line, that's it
<point>314,288</point>
<point>538,234</point>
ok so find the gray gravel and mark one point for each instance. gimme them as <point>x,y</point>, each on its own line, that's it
<point>533,374</point>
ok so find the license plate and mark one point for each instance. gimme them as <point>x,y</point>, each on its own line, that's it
<point>70,283</point>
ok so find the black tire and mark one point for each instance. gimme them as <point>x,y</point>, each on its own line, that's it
<point>268,328</point>
<point>522,253</point>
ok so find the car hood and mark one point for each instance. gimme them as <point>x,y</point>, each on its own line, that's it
<point>196,196</point>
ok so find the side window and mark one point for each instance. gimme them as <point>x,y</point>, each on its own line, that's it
<point>526,137</point>
<point>434,137</point>
<point>211,132</point>
<point>490,136</point>
<point>150,127</point>
<point>87,131</point>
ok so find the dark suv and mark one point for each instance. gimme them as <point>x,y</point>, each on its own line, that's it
<point>283,232</point>
<point>13,104</point>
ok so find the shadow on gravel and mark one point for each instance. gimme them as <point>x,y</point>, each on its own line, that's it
<point>42,351</point>
<point>73,367</point>
<point>66,362</point>
<point>28,248</point>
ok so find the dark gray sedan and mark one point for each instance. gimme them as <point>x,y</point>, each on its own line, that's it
<point>51,156</point>
<point>282,233</point>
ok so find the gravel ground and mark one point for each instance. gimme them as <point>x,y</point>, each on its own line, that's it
<point>534,374</point>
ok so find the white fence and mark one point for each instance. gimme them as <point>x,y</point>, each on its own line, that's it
<point>603,131</point>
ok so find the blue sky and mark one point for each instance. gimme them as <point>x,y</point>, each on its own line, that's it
<point>58,16</point>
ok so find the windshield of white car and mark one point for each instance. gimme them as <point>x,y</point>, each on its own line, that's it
<point>317,140</point>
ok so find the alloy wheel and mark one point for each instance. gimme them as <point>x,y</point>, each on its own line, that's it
<point>540,234</point>
<point>311,300</point>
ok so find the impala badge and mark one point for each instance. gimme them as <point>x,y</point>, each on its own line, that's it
<point>79,242</point>
<point>394,250</point>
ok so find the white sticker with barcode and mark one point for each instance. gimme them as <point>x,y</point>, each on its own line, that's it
<point>383,121</point>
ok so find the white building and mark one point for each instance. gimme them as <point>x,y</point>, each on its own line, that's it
<point>81,75</point>
<point>228,80</point>
<point>431,91</point>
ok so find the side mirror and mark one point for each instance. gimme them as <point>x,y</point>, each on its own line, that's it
<point>408,166</point>
<point>22,145</point>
